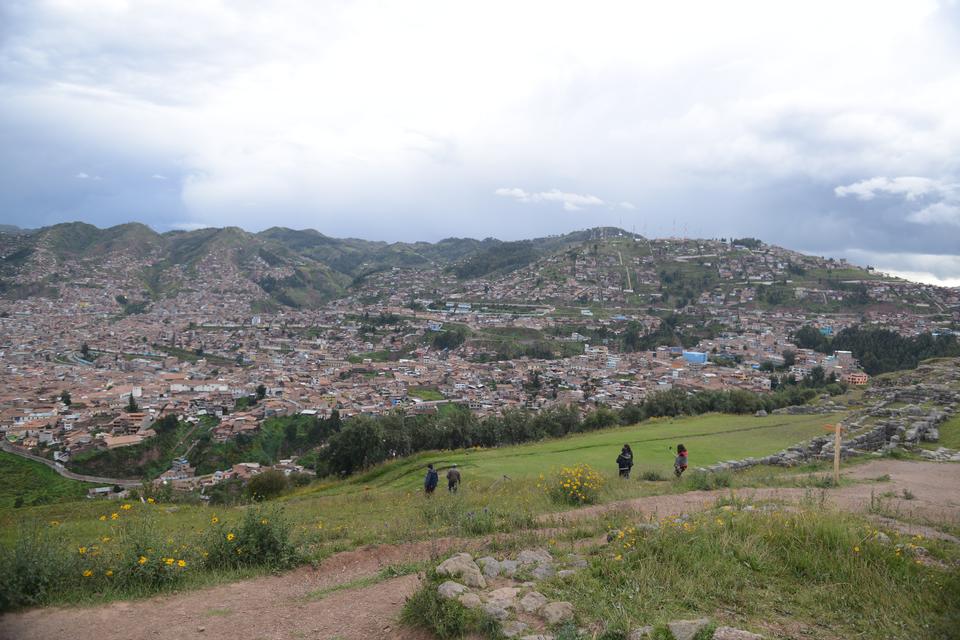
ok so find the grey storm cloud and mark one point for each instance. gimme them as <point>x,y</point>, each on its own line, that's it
<point>823,126</point>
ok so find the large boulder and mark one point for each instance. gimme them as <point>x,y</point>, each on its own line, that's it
<point>505,597</point>
<point>508,568</point>
<point>471,601</point>
<point>490,566</point>
<point>534,556</point>
<point>496,611</point>
<point>450,590</point>
<point>544,571</point>
<point>462,566</point>
<point>557,612</point>
<point>533,602</point>
<point>687,629</point>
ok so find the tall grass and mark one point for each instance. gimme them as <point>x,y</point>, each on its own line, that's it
<point>748,565</point>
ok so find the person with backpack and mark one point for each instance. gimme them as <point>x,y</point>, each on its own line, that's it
<point>625,461</point>
<point>453,479</point>
<point>680,462</point>
<point>431,480</point>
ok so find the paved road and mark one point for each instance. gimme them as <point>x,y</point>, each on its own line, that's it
<point>66,473</point>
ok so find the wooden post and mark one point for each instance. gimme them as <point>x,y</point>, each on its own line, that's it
<point>836,456</point>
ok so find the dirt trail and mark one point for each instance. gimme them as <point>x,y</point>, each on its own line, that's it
<point>278,607</point>
<point>934,487</point>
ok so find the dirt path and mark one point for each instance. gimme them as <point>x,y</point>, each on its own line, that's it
<point>934,487</point>
<point>279,607</point>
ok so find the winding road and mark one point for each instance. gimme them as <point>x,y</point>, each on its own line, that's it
<point>63,471</point>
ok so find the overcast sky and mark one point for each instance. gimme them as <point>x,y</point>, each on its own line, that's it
<point>831,127</point>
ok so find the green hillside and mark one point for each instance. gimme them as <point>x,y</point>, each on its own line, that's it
<point>709,438</point>
<point>32,483</point>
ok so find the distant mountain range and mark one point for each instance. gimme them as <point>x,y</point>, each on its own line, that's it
<point>294,266</point>
<point>301,268</point>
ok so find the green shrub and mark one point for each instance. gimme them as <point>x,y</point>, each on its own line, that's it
<point>444,618</point>
<point>652,476</point>
<point>260,539</point>
<point>706,481</point>
<point>36,565</point>
<point>268,484</point>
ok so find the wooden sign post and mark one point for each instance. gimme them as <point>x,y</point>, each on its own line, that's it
<point>836,451</point>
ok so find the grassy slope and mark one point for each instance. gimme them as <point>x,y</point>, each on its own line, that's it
<point>709,438</point>
<point>391,509</point>
<point>34,482</point>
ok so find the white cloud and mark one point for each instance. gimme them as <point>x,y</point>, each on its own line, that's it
<point>570,201</point>
<point>937,213</point>
<point>82,176</point>
<point>909,187</point>
<point>945,209</point>
<point>158,176</point>
<point>941,270</point>
<point>365,117</point>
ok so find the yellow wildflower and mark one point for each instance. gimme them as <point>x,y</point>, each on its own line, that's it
<point>82,550</point>
<point>114,516</point>
<point>126,507</point>
<point>150,500</point>
<point>108,573</point>
<point>214,520</point>
<point>142,560</point>
<point>856,549</point>
<point>169,561</point>
<point>87,573</point>
<point>230,537</point>
<point>181,563</point>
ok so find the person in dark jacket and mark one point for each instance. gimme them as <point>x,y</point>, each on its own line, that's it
<point>625,461</point>
<point>680,462</point>
<point>453,479</point>
<point>431,480</point>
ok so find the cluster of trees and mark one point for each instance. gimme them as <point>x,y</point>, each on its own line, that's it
<point>368,440</point>
<point>880,350</point>
<point>449,338</point>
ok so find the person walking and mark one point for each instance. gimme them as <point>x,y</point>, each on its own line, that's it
<point>625,461</point>
<point>453,479</point>
<point>680,462</point>
<point>431,480</point>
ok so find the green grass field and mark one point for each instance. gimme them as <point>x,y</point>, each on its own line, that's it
<point>709,438</point>
<point>34,483</point>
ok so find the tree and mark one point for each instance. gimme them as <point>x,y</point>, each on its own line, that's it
<point>261,392</point>
<point>166,424</point>
<point>268,484</point>
<point>132,404</point>
<point>65,398</point>
<point>789,358</point>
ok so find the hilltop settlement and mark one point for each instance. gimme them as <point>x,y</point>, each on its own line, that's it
<point>114,339</point>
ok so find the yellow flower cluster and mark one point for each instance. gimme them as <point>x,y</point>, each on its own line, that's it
<point>578,484</point>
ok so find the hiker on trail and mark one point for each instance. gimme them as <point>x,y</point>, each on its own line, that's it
<point>453,479</point>
<point>431,480</point>
<point>680,463</point>
<point>625,461</point>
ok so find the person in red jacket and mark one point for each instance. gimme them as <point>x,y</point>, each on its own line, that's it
<point>680,463</point>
